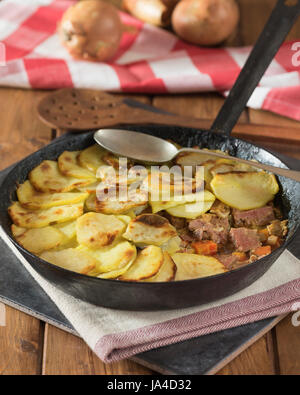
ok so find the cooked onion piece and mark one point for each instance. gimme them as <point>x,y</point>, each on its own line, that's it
<point>71,259</point>
<point>191,266</point>
<point>68,166</point>
<point>97,230</point>
<point>38,240</point>
<point>166,272</point>
<point>245,190</point>
<point>40,218</point>
<point>149,229</point>
<point>47,178</point>
<point>147,264</point>
<point>90,158</point>
<point>32,199</point>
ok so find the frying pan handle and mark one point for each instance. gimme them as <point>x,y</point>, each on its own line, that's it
<point>278,26</point>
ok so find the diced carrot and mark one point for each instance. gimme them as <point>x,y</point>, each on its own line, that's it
<point>240,255</point>
<point>261,251</point>
<point>205,247</point>
<point>263,234</point>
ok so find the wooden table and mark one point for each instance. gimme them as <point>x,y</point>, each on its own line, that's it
<point>29,346</point>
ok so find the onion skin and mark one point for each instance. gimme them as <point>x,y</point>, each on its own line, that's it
<point>205,22</point>
<point>91,30</point>
<point>155,12</point>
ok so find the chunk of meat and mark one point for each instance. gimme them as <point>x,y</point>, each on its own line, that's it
<point>228,260</point>
<point>245,239</point>
<point>210,227</point>
<point>256,217</point>
<point>177,222</point>
<point>220,209</point>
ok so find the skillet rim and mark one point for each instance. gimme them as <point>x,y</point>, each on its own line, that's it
<point>85,277</point>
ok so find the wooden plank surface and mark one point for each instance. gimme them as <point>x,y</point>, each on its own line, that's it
<point>27,346</point>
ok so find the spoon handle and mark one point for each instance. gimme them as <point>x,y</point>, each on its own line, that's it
<point>293,174</point>
<point>279,24</point>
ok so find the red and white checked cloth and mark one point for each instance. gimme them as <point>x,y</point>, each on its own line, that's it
<point>149,60</point>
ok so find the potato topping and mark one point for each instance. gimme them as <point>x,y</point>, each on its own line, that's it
<point>191,266</point>
<point>38,240</point>
<point>32,199</point>
<point>47,178</point>
<point>146,265</point>
<point>68,165</point>
<point>71,259</point>
<point>150,229</point>
<point>245,190</point>
<point>97,230</point>
<point>41,218</point>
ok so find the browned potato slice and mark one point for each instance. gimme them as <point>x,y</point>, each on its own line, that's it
<point>147,264</point>
<point>68,166</point>
<point>38,240</point>
<point>107,201</point>
<point>40,218</point>
<point>71,259</point>
<point>112,258</point>
<point>90,158</point>
<point>172,245</point>
<point>245,190</point>
<point>32,199</point>
<point>97,230</point>
<point>90,203</point>
<point>166,272</point>
<point>194,159</point>
<point>191,266</point>
<point>149,229</point>
<point>47,178</point>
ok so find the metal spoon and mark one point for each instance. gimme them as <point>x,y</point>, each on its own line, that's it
<point>146,148</point>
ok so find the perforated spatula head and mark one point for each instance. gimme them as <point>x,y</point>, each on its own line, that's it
<point>80,109</point>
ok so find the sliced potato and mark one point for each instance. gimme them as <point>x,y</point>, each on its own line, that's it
<point>125,218</point>
<point>68,166</point>
<point>32,199</point>
<point>195,159</point>
<point>68,229</point>
<point>227,167</point>
<point>90,158</point>
<point>107,201</point>
<point>147,264</point>
<point>191,266</point>
<point>97,230</point>
<point>191,210</point>
<point>115,273</point>
<point>47,178</point>
<point>38,240</point>
<point>149,229</point>
<point>71,259</point>
<point>180,200</point>
<point>41,218</point>
<point>90,203</point>
<point>112,258</point>
<point>166,272</point>
<point>245,190</point>
<point>91,188</point>
<point>171,246</point>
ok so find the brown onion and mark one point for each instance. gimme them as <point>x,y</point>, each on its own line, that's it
<point>205,22</point>
<point>156,12</point>
<point>91,30</point>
